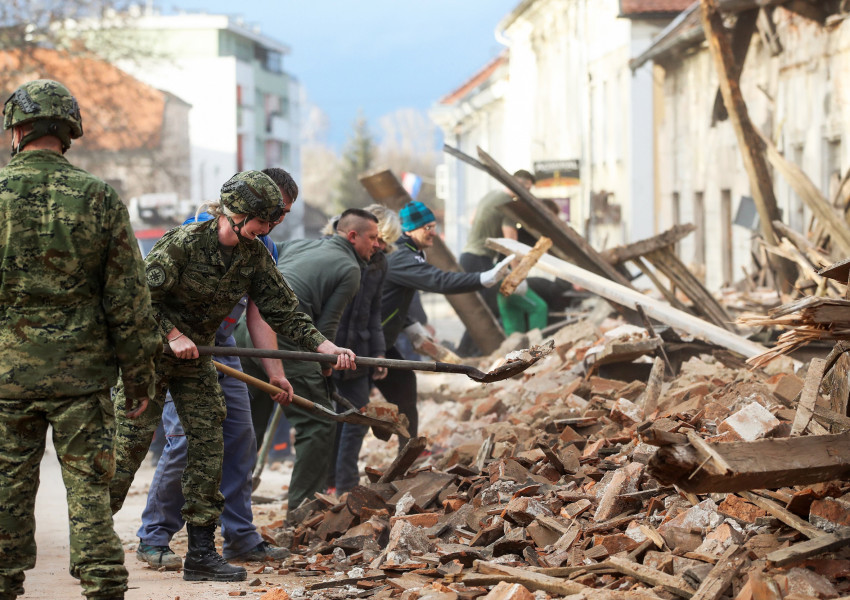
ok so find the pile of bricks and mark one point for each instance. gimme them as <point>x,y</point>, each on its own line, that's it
<point>543,486</point>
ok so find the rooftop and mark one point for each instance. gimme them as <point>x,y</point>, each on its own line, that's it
<point>119,112</point>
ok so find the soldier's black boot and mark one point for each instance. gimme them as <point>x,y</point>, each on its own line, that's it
<point>203,563</point>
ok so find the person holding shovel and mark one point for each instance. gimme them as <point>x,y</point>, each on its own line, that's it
<point>196,274</point>
<point>325,275</point>
<point>409,271</point>
<point>161,517</point>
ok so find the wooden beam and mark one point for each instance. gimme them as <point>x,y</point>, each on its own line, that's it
<point>827,542</point>
<point>483,326</point>
<point>808,192</point>
<point>808,396</point>
<point>654,577</point>
<point>768,463</point>
<point>518,274</point>
<point>786,516</point>
<point>664,240</point>
<point>614,292</point>
<point>722,574</point>
<point>748,141</point>
<point>742,34</point>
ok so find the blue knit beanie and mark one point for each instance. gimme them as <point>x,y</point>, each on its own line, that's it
<point>415,215</point>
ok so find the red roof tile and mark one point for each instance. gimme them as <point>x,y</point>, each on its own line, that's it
<point>639,7</point>
<point>119,112</point>
<point>476,80</point>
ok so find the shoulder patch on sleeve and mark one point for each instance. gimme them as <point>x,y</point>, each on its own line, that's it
<point>155,275</point>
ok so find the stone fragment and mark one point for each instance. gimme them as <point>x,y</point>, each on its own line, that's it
<point>622,481</point>
<point>753,422</point>
<point>736,507</point>
<point>805,583</point>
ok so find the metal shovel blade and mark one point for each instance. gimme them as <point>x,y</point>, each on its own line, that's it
<point>517,362</point>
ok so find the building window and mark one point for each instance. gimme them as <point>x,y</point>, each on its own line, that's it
<point>699,234</point>
<point>726,248</point>
<point>272,107</point>
<point>274,153</point>
<point>270,60</point>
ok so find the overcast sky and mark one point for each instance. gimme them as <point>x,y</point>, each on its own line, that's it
<point>373,55</point>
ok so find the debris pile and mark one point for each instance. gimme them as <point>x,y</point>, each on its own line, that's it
<point>597,474</point>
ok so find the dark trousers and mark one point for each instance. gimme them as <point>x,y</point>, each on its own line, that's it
<point>344,472</point>
<point>399,387</point>
<point>473,263</point>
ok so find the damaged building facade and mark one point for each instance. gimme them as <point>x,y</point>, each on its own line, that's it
<point>794,83</point>
<point>562,101</point>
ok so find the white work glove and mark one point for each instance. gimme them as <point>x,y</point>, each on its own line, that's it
<point>522,288</point>
<point>497,273</point>
<point>416,331</point>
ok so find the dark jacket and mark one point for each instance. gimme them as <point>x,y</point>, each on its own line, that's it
<point>325,276</point>
<point>360,325</point>
<point>408,272</point>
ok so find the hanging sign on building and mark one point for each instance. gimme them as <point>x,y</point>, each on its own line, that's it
<point>562,172</point>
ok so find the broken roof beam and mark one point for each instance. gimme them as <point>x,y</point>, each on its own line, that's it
<point>385,188</point>
<point>628,297</point>
<point>767,463</point>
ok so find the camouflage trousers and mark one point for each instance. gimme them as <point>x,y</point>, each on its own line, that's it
<point>200,405</point>
<point>83,429</point>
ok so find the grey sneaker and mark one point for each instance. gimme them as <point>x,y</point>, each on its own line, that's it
<point>262,552</point>
<point>159,557</point>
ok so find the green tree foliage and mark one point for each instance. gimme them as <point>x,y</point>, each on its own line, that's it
<point>357,159</point>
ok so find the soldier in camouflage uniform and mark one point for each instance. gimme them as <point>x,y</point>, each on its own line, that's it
<point>74,307</point>
<point>196,274</point>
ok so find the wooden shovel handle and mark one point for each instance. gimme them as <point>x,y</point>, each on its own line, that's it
<point>270,389</point>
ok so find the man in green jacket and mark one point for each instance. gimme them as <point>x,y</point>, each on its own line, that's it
<point>74,308</point>
<point>325,275</point>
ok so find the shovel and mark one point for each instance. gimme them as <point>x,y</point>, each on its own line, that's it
<point>517,362</point>
<point>350,416</point>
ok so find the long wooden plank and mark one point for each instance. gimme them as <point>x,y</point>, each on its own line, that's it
<point>786,516</point>
<point>768,463</point>
<point>520,272</point>
<point>664,240</point>
<point>653,577</point>
<point>721,575</point>
<point>809,395</point>
<point>656,309</point>
<point>579,249</point>
<point>810,195</point>
<point>704,303</point>
<point>827,542</point>
<point>485,330</point>
<point>531,580</point>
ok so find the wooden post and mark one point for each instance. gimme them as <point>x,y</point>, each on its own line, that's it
<point>752,149</point>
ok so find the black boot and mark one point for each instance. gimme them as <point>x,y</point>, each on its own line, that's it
<point>203,563</point>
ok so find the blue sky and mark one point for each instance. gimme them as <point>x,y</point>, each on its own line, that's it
<point>374,55</point>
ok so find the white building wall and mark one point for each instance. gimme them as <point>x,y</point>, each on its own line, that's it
<point>798,98</point>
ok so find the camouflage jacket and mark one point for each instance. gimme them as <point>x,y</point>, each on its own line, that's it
<point>192,290</point>
<point>74,306</point>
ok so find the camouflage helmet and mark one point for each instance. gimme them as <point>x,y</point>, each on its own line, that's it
<point>254,194</point>
<point>43,99</point>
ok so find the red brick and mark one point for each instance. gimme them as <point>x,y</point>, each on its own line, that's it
<point>830,514</point>
<point>753,422</point>
<point>738,508</point>
<point>623,481</point>
<point>615,543</point>
<point>489,405</point>
<point>509,591</point>
<point>420,520</point>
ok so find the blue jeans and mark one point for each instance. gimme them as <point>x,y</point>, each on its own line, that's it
<point>161,518</point>
<point>350,436</point>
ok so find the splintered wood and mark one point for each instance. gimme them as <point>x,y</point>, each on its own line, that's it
<point>605,479</point>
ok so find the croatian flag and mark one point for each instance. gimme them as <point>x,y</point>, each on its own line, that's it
<point>412,183</point>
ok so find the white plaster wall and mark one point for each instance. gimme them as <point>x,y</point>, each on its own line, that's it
<point>798,98</point>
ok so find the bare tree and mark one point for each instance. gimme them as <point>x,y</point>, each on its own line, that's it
<point>319,161</point>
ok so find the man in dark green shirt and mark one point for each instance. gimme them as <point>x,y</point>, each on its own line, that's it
<point>325,275</point>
